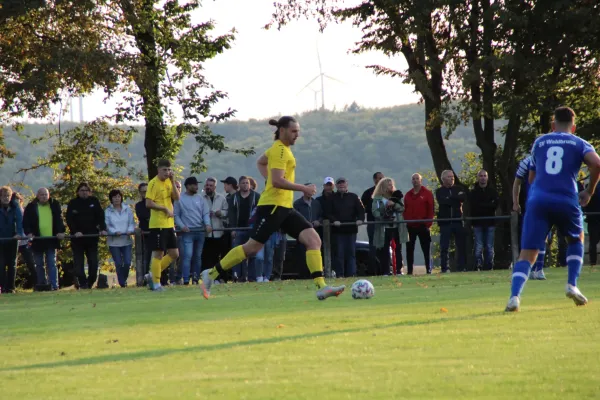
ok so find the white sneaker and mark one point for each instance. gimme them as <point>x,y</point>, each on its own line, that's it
<point>148,278</point>
<point>513,304</point>
<point>538,275</point>
<point>265,280</point>
<point>573,292</point>
<point>259,279</point>
<point>205,283</point>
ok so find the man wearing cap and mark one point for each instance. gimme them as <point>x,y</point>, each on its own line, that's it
<point>346,208</point>
<point>326,198</point>
<point>367,200</point>
<point>192,216</point>
<point>230,185</point>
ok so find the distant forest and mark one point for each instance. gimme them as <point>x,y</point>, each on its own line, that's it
<point>353,143</point>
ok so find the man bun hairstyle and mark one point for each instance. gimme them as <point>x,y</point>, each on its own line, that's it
<point>283,122</point>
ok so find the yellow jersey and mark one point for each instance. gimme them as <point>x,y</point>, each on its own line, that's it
<point>280,157</point>
<point>160,193</point>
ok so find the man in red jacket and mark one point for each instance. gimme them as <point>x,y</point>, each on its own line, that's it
<point>418,204</point>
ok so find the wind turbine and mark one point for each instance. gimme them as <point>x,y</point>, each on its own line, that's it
<point>322,77</point>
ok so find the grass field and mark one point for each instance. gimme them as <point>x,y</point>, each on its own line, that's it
<point>437,337</point>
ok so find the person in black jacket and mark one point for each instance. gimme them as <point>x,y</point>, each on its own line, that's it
<point>593,226</point>
<point>43,217</point>
<point>484,201</point>
<point>367,200</point>
<point>143,215</point>
<point>85,216</point>
<point>241,204</point>
<point>450,199</point>
<point>347,207</point>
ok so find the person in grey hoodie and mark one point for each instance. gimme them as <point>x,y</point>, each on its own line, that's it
<point>119,226</point>
<point>192,216</point>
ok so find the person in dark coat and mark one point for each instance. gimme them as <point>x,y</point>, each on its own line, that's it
<point>11,227</point>
<point>347,207</point>
<point>85,216</point>
<point>43,218</point>
<point>450,199</point>
<point>484,201</point>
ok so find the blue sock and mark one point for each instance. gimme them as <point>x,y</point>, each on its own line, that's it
<point>539,262</point>
<point>519,277</point>
<point>574,261</point>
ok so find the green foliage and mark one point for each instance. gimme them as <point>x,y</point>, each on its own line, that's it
<point>148,52</point>
<point>95,153</point>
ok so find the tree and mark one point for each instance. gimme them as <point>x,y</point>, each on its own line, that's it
<point>89,153</point>
<point>143,50</point>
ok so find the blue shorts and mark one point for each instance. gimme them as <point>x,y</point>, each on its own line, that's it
<point>545,211</point>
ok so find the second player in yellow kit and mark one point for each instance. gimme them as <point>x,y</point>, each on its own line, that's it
<point>159,199</point>
<point>275,211</point>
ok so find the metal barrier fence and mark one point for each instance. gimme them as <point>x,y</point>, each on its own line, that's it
<point>327,228</point>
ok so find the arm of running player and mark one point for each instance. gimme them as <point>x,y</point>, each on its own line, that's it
<point>279,182</point>
<point>592,160</point>
<point>262,164</point>
<point>516,191</point>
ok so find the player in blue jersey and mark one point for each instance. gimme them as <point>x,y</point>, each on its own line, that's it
<point>553,200</point>
<point>520,191</point>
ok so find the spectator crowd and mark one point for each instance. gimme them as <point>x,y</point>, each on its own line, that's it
<point>36,231</point>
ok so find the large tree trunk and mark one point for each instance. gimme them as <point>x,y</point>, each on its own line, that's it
<point>148,81</point>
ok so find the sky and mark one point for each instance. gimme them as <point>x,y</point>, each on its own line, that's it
<point>265,70</point>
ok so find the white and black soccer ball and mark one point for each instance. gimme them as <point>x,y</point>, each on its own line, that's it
<point>362,289</point>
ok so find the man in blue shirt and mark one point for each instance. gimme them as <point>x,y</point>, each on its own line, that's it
<point>553,200</point>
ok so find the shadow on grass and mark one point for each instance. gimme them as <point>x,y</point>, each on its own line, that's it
<point>206,348</point>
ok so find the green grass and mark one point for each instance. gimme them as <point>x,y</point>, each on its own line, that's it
<point>276,341</point>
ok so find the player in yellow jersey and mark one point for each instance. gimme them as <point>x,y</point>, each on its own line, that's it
<point>159,199</point>
<point>275,211</point>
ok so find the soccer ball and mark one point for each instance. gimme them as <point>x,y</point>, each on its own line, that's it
<point>362,289</point>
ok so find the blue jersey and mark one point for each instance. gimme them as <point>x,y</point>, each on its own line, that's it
<point>556,160</point>
<point>553,196</point>
<point>523,174</point>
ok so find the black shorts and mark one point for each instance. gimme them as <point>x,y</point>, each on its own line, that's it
<point>162,239</point>
<point>270,219</point>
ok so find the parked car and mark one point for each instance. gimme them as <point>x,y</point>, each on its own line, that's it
<point>295,268</point>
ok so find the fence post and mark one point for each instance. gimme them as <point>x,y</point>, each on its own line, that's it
<point>327,247</point>
<point>514,236</point>
<point>139,257</point>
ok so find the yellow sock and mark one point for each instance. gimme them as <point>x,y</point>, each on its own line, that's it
<point>155,268</point>
<point>315,266</point>
<point>231,259</point>
<point>165,262</point>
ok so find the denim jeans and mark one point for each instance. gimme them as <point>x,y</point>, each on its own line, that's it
<point>191,259</point>
<point>484,243</point>
<point>51,270</point>
<point>264,258</point>
<point>446,232</point>
<point>122,258</point>
<point>345,261</point>
<point>246,270</point>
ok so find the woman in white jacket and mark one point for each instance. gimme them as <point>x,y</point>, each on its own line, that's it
<point>120,226</point>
